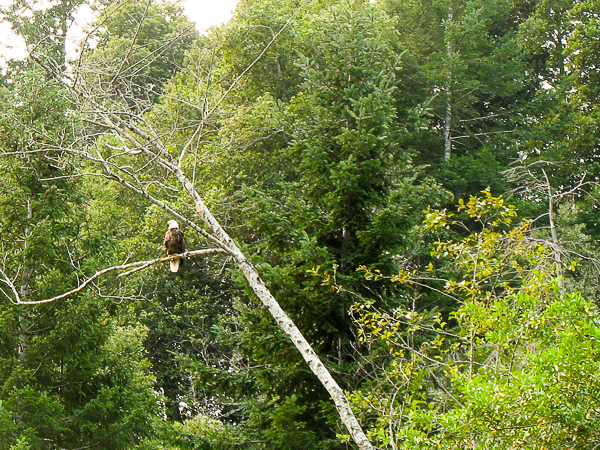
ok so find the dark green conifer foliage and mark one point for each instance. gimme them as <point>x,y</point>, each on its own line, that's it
<point>253,27</point>
<point>71,375</point>
<point>308,161</point>
<point>322,180</point>
<point>472,85</point>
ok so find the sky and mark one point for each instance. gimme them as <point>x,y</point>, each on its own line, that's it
<point>205,13</point>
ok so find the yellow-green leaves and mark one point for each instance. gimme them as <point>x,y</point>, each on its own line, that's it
<point>506,368</point>
<point>489,210</point>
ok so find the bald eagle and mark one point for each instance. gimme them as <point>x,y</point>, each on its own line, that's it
<point>174,243</point>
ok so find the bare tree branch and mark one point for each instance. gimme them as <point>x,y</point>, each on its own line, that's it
<point>11,286</point>
<point>132,130</point>
<point>139,265</point>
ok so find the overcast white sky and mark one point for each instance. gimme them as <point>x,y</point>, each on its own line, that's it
<point>205,13</point>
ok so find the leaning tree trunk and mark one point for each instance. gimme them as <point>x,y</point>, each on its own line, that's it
<point>134,131</point>
<point>280,316</point>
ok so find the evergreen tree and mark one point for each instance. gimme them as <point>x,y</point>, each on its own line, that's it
<point>472,80</point>
<point>72,374</point>
<point>320,180</point>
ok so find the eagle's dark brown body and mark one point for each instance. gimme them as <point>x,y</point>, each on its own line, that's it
<point>174,244</point>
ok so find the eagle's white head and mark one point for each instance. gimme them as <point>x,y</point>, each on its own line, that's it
<point>172,224</point>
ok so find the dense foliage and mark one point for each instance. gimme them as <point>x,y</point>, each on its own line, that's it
<point>415,181</point>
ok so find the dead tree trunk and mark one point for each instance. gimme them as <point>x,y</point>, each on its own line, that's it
<point>449,99</point>
<point>135,133</point>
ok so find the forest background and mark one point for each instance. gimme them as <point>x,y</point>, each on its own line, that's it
<point>390,211</point>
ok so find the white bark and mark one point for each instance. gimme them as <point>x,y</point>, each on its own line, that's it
<point>449,99</point>
<point>136,134</point>
<point>262,292</point>
<point>556,247</point>
<point>448,121</point>
<point>282,319</point>
<point>24,292</point>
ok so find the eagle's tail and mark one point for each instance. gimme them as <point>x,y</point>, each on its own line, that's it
<point>174,264</point>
